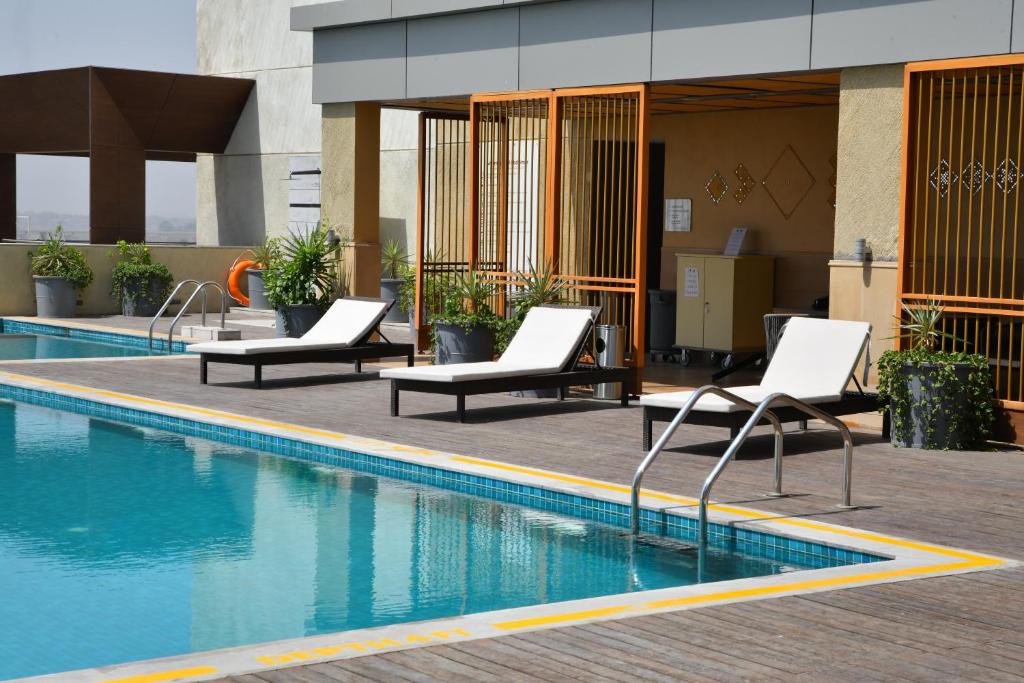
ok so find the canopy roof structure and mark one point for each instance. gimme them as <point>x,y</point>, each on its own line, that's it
<point>119,119</point>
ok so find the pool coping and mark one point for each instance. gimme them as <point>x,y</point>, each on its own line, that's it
<point>910,559</point>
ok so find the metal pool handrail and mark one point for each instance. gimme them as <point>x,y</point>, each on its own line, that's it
<point>755,417</point>
<point>200,289</point>
<point>709,389</point>
<point>167,303</point>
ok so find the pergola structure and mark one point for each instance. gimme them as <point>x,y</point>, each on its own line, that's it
<point>119,118</point>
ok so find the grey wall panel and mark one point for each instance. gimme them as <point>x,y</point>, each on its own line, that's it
<point>308,17</point>
<point>860,32</point>
<point>359,63</point>
<point>418,8</point>
<point>464,53</point>
<point>696,38</point>
<point>584,42</point>
<point>1017,44</point>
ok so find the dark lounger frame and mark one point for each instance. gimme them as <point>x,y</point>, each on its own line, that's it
<point>850,404</point>
<point>356,354</point>
<point>574,374</point>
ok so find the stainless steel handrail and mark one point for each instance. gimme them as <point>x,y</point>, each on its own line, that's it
<point>709,389</point>
<point>755,417</point>
<point>200,289</point>
<point>167,303</point>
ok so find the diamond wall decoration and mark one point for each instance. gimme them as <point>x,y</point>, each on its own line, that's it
<point>942,177</point>
<point>1006,175</point>
<point>973,177</point>
<point>747,183</point>
<point>716,187</point>
<point>788,181</point>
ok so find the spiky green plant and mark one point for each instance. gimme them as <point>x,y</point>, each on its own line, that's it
<point>393,258</point>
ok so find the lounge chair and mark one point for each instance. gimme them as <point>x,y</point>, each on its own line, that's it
<point>814,362</point>
<point>544,354</point>
<point>341,336</point>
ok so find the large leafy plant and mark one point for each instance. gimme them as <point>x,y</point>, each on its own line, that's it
<point>266,254</point>
<point>393,260</point>
<point>465,303</point>
<point>306,271</point>
<point>922,330</point>
<point>536,288</point>
<point>134,272</point>
<point>57,258</point>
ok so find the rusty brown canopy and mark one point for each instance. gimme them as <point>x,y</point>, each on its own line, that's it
<point>119,118</point>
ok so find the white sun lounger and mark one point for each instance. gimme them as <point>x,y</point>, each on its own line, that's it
<point>341,335</point>
<point>542,355</point>
<point>814,362</point>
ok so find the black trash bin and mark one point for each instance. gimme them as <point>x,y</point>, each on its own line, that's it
<point>662,317</point>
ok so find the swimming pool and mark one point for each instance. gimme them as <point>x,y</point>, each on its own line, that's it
<point>23,340</point>
<point>121,543</point>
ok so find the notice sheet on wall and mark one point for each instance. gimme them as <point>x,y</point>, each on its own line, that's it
<point>691,282</point>
<point>677,215</point>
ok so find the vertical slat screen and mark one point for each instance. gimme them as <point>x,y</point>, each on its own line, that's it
<point>443,214</point>
<point>962,216</point>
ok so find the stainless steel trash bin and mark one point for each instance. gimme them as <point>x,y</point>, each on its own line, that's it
<point>610,341</point>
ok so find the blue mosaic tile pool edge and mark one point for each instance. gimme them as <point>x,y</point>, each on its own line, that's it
<point>21,327</point>
<point>661,523</point>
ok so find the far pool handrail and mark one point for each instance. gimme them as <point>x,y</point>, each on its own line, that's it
<point>708,389</point>
<point>167,302</point>
<point>200,289</point>
<point>755,417</point>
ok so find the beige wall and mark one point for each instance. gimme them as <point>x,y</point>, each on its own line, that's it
<point>870,152</point>
<point>865,291</point>
<point>17,296</point>
<point>699,144</point>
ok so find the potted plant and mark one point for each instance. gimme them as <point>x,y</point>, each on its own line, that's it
<point>138,284</point>
<point>59,271</point>
<point>466,330</point>
<point>302,282</point>
<point>406,301</point>
<point>536,288</point>
<point>394,261</point>
<point>935,398</point>
<point>264,255</point>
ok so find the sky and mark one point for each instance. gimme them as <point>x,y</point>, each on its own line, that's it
<point>159,35</point>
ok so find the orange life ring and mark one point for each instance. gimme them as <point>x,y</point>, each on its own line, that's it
<point>233,276</point>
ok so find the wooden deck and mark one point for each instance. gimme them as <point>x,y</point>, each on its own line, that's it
<point>968,627</point>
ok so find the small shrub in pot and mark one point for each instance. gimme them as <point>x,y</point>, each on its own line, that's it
<point>137,283</point>
<point>394,262</point>
<point>60,272</point>
<point>303,282</point>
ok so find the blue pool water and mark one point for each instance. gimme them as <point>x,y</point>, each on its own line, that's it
<point>44,346</point>
<point>120,543</point>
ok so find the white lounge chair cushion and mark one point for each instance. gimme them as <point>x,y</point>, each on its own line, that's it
<point>345,323</point>
<point>813,363</point>
<point>715,404</point>
<point>544,343</point>
<point>459,372</point>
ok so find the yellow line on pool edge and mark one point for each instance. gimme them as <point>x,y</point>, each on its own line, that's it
<point>566,478</point>
<point>165,675</point>
<point>560,618</point>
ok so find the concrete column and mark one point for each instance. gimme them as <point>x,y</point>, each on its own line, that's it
<point>350,188</point>
<point>8,196</point>
<point>868,199</point>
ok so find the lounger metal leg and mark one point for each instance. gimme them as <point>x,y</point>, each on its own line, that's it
<point>258,367</point>
<point>648,433</point>
<point>202,369</point>
<point>561,393</point>
<point>411,360</point>
<point>802,424</point>
<point>394,398</point>
<point>627,389</point>
<point>359,366</point>
<point>733,433</point>
<point>460,407</point>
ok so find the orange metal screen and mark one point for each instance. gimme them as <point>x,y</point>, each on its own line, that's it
<point>561,180</point>
<point>961,233</point>
<point>442,249</point>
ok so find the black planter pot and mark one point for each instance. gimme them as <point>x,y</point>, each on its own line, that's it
<point>135,303</point>
<point>925,399</point>
<point>257,291</point>
<point>454,345</point>
<point>389,290</point>
<point>296,320</point>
